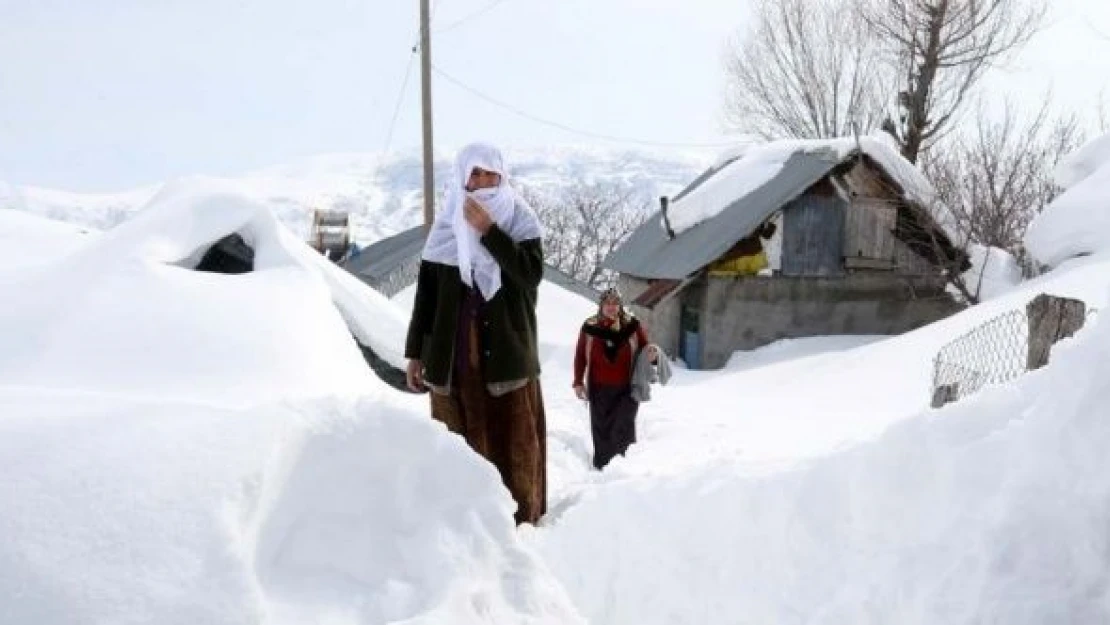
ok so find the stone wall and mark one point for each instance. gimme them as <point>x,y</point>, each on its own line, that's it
<point>662,322</point>
<point>746,313</point>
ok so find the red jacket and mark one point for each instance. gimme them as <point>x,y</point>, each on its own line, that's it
<point>610,351</point>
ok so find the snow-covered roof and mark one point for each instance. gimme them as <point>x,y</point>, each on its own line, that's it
<point>1077,222</point>
<point>129,295</point>
<point>377,260</point>
<point>727,201</point>
<point>746,168</point>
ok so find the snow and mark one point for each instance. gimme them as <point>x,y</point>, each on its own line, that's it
<point>729,154</point>
<point>796,351</point>
<point>746,167</point>
<point>380,191</point>
<point>994,271</point>
<point>881,147</point>
<point>129,296</point>
<point>821,488</point>
<point>1077,222</point>
<point>990,511</point>
<point>755,167</point>
<point>807,482</point>
<point>27,240</point>
<point>184,447</point>
<point>98,211</point>
<point>1087,160</point>
<point>151,511</point>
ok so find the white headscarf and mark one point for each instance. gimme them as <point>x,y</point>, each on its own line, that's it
<point>453,241</point>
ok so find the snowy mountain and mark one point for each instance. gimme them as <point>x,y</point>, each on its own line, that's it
<point>381,191</point>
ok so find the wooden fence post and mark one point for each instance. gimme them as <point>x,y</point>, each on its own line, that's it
<point>1051,319</point>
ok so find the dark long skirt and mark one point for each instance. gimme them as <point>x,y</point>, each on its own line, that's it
<point>510,431</point>
<point>612,421</point>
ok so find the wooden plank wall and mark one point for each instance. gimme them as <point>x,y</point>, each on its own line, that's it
<point>870,223</point>
<point>813,236</point>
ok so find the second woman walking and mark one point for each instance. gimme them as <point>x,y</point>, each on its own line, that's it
<point>608,345</point>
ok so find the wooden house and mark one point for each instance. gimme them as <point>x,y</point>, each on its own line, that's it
<point>860,248</point>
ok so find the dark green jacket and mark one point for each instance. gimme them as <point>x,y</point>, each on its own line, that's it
<point>509,337</point>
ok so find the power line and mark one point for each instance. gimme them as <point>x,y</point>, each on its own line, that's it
<point>405,83</point>
<point>554,124</point>
<point>459,22</point>
<point>397,107</point>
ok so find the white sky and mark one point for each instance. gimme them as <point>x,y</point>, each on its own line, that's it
<point>117,93</point>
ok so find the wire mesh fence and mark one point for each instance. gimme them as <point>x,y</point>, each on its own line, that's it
<point>995,352</point>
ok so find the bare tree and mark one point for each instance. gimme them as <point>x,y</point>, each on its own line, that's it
<point>997,176</point>
<point>560,226</point>
<point>805,69</point>
<point>941,49</point>
<point>1102,118</point>
<point>584,224</point>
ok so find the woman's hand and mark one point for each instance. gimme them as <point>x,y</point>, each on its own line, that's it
<point>580,392</point>
<point>477,216</point>
<point>414,376</point>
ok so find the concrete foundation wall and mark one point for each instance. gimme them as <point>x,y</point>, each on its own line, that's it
<point>746,313</point>
<point>662,322</point>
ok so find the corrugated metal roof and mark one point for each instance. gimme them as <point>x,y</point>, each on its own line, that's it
<point>655,293</point>
<point>702,177</point>
<point>649,253</point>
<point>381,258</point>
<point>555,276</point>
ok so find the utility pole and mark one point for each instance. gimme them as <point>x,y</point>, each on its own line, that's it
<point>426,113</point>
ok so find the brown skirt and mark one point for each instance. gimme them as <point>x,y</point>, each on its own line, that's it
<point>510,431</point>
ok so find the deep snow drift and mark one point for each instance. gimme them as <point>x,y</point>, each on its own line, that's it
<point>187,447</point>
<point>162,476</point>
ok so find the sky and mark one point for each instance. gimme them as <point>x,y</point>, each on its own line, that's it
<point>116,94</point>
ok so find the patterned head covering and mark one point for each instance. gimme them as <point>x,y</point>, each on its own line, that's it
<point>610,294</point>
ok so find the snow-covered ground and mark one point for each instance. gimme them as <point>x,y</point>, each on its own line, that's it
<point>821,489</point>
<point>993,272</point>
<point>1078,221</point>
<point>187,447</point>
<point>28,240</point>
<point>222,455</point>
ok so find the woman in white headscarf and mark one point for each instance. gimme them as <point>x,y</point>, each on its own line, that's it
<point>472,336</point>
